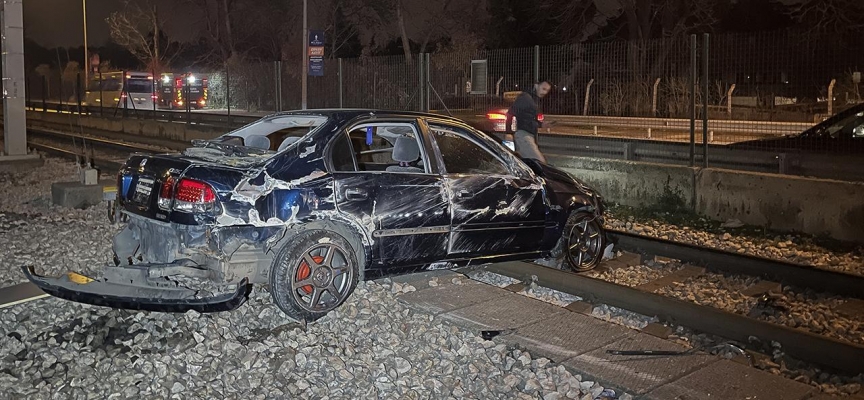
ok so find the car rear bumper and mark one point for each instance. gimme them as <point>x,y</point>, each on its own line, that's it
<point>133,288</point>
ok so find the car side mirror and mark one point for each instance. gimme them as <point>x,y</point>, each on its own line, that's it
<point>534,165</point>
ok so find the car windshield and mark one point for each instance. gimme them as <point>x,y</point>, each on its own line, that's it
<point>840,124</point>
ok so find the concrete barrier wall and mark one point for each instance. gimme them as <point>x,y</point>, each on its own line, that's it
<point>788,203</point>
<point>780,202</point>
<point>148,128</point>
<point>642,185</point>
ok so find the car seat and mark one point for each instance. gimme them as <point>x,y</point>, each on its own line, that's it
<point>287,142</point>
<point>405,152</point>
<point>258,142</point>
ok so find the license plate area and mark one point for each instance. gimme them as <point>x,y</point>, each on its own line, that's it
<point>143,190</point>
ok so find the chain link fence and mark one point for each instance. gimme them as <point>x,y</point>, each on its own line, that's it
<point>725,100</point>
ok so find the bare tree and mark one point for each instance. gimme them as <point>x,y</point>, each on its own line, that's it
<point>138,28</point>
<point>828,16</point>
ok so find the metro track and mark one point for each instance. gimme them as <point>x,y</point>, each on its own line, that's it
<point>645,299</point>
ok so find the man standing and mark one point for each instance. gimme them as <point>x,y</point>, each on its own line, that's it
<point>524,109</point>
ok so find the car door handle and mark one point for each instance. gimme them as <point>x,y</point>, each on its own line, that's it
<point>356,194</point>
<point>464,194</point>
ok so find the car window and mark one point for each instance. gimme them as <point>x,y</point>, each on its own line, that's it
<point>462,155</point>
<point>341,155</point>
<point>387,147</point>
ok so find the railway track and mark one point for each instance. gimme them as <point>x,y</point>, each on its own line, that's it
<point>652,297</point>
<point>111,153</point>
<point>646,298</point>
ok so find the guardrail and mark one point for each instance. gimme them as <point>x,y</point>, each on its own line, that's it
<point>644,150</point>
<point>727,126</point>
<point>222,119</point>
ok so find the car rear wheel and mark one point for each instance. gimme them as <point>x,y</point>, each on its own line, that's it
<point>313,274</point>
<point>582,243</point>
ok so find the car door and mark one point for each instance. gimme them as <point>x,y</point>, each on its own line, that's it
<point>406,210</point>
<point>494,211</point>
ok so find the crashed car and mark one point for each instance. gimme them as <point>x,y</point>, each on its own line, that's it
<point>311,202</point>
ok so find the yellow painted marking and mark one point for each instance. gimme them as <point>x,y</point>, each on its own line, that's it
<point>79,279</point>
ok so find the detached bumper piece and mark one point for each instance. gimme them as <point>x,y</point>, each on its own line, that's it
<point>129,288</point>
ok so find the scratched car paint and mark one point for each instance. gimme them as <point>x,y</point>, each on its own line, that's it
<point>311,202</point>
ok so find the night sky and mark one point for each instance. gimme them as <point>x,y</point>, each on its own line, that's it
<point>59,22</point>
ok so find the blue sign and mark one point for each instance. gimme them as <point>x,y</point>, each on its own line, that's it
<point>316,53</point>
<point>316,38</point>
<point>316,66</point>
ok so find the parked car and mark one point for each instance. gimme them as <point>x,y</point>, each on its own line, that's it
<point>311,202</point>
<point>842,133</point>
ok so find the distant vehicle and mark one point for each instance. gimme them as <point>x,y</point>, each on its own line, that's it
<point>310,202</point>
<point>177,91</point>
<point>495,121</point>
<point>842,133</point>
<point>121,89</point>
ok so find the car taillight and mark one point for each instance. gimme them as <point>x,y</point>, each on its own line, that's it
<point>193,196</point>
<point>166,193</point>
<point>496,116</point>
<point>154,97</point>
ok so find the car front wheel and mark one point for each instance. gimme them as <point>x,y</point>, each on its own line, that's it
<point>313,274</point>
<point>582,243</point>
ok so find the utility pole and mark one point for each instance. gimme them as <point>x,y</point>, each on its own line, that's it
<point>304,78</point>
<point>14,114</point>
<point>86,53</point>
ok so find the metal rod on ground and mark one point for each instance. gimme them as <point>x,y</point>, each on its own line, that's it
<point>693,69</point>
<point>705,101</point>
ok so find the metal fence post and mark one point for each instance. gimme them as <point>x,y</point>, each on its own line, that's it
<point>60,107</point>
<point>101,100</point>
<point>153,94</point>
<point>693,74</point>
<point>428,91</point>
<point>705,100</point>
<point>228,92</point>
<point>78,91</point>
<point>536,63</point>
<point>340,84</point>
<point>587,96</point>
<point>654,98</point>
<point>421,85</point>
<point>27,95</point>
<point>44,94</point>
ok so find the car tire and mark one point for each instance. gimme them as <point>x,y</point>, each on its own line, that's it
<point>312,274</point>
<point>582,242</point>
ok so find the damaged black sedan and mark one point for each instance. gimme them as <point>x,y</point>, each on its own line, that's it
<point>311,202</point>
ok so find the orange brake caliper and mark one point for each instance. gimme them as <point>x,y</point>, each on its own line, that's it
<point>304,271</point>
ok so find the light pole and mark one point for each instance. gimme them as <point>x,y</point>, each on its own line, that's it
<point>86,55</point>
<point>303,79</point>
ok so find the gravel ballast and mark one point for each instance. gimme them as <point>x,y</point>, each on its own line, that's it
<point>373,346</point>
<point>787,247</point>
